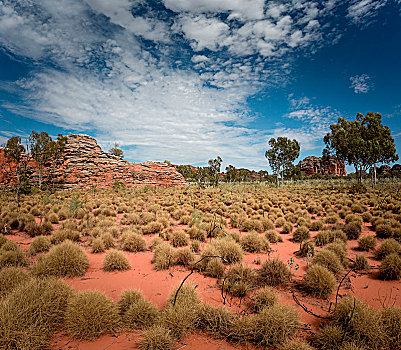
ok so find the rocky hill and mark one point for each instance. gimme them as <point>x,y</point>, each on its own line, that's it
<point>316,165</point>
<point>85,164</point>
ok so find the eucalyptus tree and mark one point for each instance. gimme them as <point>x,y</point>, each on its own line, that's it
<point>281,155</point>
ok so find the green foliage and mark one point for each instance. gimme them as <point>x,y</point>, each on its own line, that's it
<point>281,154</point>
<point>116,150</point>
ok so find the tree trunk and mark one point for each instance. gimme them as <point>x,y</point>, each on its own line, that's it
<point>278,182</point>
<point>374,173</point>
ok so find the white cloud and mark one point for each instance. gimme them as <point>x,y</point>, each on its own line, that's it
<point>361,84</point>
<point>242,9</point>
<point>361,11</point>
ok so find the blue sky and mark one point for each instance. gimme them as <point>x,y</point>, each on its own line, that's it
<point>187,80</point>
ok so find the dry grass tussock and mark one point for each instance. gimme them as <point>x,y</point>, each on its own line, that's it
<point>32,312</point>
<point>156,338</point>
<point>273,272</point>
<point>319,281</point>
<point>10,278</point>
<point>64,260</point>
<point>40,244</point>
<point>90,314</point>
<point>115,260</point>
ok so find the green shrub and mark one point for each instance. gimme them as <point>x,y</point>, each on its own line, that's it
<point>330,260</point>
<point>156,338</point>
<point>319,281</point>
<point>390,268</point>
<point>115,260</point>
<point>265,297</point>
<point>367,243</point>
<point>388,246</point>
<point>90,314</point>
<point>301,234</point>
<point>64,260</point>
<point>273,272</point>
<point>32,312</point>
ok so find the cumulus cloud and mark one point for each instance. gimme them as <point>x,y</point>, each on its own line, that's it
<point>167,79</point>
<point>361,84</point>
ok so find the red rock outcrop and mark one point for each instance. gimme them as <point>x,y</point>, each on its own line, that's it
<point>85,164</point>
<point>316,165</point>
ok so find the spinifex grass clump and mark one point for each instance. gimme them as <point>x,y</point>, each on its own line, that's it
<point>301,234</point>
<point>216,320</point>
<point>273,272</point>
<point>64,260</point>
<point>179,238</point>
<point>115,260</point>
<point>90,314</point>
<point>32,312</point>
<point>319,281</point>
<point>156,338</point>
<point>240,279</point>
<point>390,268</point>
<point>181,311</point>
<point>133,242</point>
<point>11,255</point>
<point>361,263</point>
<point>367,243</point>
<point>135,311</point>
<point>163,256</point>
<point>40,244</point>
<point>10,278</point>
<point>388,246</point>
<point>265,297</point>
<point>254,243</point>
<point>330,260</point>
<point>184,256</point>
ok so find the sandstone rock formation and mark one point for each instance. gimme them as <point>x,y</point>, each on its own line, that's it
<point>316,165</point>
<point>85,164</point>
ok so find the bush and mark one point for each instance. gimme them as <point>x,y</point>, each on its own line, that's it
<point>316,225</point>
<point>108,240</point>
<point>64,260</point>
<point>90,314</point>
<point>274,325</point>
<point>287,228</point>
<point>152,227</point>
<point>39,245</point>
<point>239,280</point>
<point>33,229</point>
<point>340,249</point>
<point>361,263</point>
<point>214,268</point>
<point>273,273</point>
<point>391,319</point>
<point>301,234</point>
<point>10,278</point>
<point>32,312</point>
<point>329,337</point>
<point>197,233</point>
<point>367,243</point>
<point>352,230</point>
<point>97,245</point>
<point>179,238</point>
<point>254,243</point>
<point>307,249</point>
<point>265,297</point>
<point>390,268</point>
<point>181,317</point>
<point>140,314</point>
<point>272,236</point>
<point>216,320</point>
<point>228,249</point>
<point>319,281</point>
<point>163,256</point>
<point>184,256</point>
<point>133,242</point>
<point>363,326</point>
<point>388,246</point>
<point>115,260</point>
<point>295,345</point>
<point>156,338</point>
<point>62,235</point>
<point>384,231</point>
<point>11,255</point>
<point>329,260</point>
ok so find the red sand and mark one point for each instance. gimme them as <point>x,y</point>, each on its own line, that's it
<point>158,285</point>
